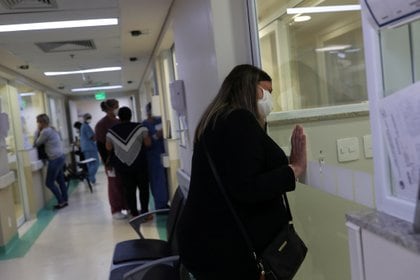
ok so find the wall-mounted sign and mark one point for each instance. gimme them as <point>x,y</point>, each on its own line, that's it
<point>101,95</point>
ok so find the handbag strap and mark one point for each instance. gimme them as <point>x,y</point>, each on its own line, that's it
<point>232,210</point>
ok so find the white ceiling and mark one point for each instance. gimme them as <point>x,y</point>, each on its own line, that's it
<point>114,45</point>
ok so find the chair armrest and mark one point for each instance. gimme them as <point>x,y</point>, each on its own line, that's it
<point>136,222</point>
<point>138,272</point>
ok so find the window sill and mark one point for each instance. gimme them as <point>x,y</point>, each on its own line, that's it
<point>318,114</point>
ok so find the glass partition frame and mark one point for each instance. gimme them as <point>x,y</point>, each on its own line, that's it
<point>283,57</point>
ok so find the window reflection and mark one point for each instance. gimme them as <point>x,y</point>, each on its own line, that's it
<point>400,49</point>
<point>31,105</point>
<point>315,59</point>
<point>58,119</point>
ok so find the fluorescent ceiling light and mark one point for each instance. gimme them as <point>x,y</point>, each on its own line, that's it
<point>95,88</point>
<point>93,70</point>
<point>27,93</point>
<point>58,24</point>
<point>323,9</point>
<point>352,50</point>
<point>333,48</point>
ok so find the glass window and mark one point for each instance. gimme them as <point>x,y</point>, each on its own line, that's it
<point>31,105</point>
<point>15,145</point>
<point>400,49</point>
<point>58,118</point>
<point>315,59</point>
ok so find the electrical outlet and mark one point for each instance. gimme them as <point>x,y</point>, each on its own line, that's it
<point>348,149</point>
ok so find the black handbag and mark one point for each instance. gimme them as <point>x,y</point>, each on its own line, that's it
<point>41,152</point>
<point>282,258</point>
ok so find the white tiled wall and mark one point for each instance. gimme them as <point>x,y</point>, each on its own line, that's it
<point>346,183</point>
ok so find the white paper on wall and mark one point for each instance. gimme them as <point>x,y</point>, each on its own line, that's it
<point>400,116</point>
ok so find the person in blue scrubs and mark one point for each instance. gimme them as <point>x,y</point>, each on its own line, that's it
<point>157,173</point>
<point>88,147</point>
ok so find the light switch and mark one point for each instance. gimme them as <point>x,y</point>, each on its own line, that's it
<point>348,149</point>
<point>367,144</point>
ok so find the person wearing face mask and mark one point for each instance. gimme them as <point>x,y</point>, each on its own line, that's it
<point>115,187</point>
<point>265,100</point>
<point>88,147</point>
<point>254,172</point>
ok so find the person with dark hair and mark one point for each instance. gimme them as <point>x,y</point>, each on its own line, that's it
<point>50,138</point>
<point>76,144</point>
<point>254,171</point>
<point>89,148</point>
<point>115,189</point>
<point>110,107</point>
<point>157,173</point>
<point>126,141</point>
<point>77,125</point>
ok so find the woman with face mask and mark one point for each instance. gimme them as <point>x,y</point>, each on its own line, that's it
<point>254,171</point>
<point>88,147</point>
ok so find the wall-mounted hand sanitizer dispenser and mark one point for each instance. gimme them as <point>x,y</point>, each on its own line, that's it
<point>178,96</point>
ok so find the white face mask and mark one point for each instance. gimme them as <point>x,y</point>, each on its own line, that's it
<point>265,104</point>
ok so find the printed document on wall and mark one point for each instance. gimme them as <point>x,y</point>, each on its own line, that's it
<point>400,115</point>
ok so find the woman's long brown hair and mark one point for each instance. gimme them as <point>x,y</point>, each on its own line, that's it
<point>238,91</point>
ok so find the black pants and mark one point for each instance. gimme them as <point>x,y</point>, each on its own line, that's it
<point>131,182</point>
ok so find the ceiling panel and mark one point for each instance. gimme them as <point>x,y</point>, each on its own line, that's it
<point>114,44</point>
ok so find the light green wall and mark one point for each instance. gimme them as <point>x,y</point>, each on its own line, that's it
<point>322,136</point>
<point>320,221</point>
<point>319,216</point>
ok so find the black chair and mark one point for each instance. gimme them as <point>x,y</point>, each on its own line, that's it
<point>160,269</point>
<point>132,253</point>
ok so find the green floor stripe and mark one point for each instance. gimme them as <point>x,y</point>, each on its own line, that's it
<point>20,246</point>
<point>161,221</point>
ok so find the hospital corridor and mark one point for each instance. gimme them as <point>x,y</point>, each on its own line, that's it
<point>76,242</point>
<point>209,139</point>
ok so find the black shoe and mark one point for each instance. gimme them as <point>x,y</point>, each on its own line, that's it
<point>61,205</point>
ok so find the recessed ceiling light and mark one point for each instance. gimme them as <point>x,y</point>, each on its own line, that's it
<point>323,9</point>
<point>58,24</point>
<point>93,70</point>
<point>301,18</point>
<point>95,88</point>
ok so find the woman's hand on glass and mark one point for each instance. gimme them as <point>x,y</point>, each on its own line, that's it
<point>298,151</point>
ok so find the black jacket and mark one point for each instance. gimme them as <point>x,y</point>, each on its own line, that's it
<point>255,172</point>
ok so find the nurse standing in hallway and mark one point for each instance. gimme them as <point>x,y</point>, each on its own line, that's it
<point>49,137</point>
<point>157,173</point>
<point>253,169</point>
<point>88,147</point>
